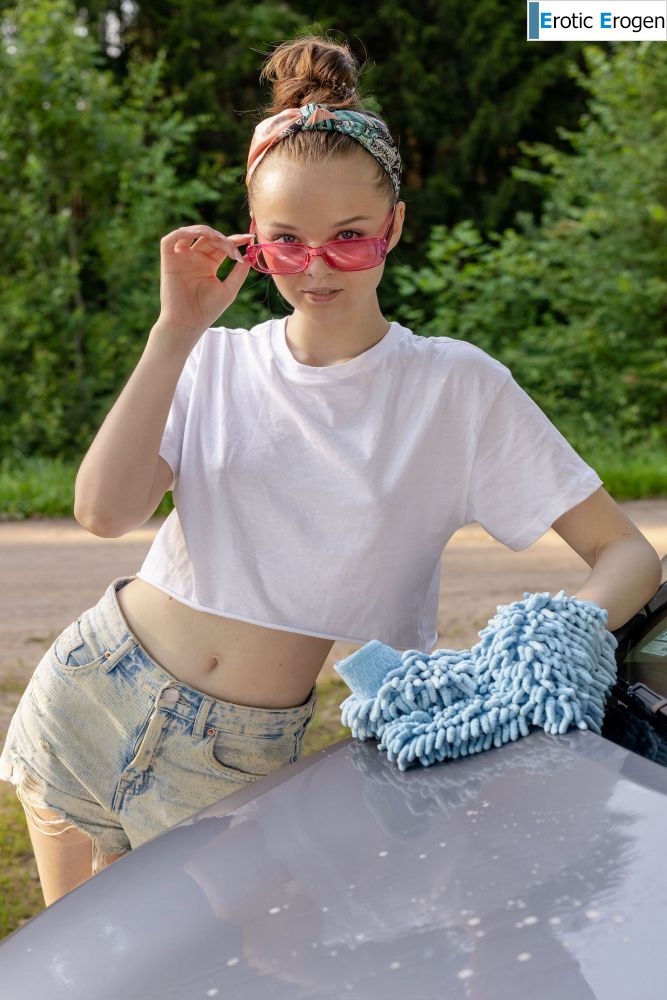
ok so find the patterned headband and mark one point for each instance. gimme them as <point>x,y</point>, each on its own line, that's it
<point>363,126</point>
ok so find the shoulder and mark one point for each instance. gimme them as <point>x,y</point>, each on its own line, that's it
<point>217,340</point>
<point>458,361</point>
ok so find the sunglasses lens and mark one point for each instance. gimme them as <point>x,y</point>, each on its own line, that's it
<point>348,255</point>
<point>281,258</point>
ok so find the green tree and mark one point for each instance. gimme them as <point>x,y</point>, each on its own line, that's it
<point>89,183</point>
<point>457,81</point>
<point>574,304</point>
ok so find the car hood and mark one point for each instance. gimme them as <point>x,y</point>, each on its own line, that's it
<point>533,869</point>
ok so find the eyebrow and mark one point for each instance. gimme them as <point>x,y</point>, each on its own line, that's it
<point>355,218</point>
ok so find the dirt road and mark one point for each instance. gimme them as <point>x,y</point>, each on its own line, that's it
<point>54,569</point>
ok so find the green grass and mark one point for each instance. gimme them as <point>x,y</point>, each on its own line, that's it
<point>44,487</point>
<point>633,478</point>
<point>20,892</point>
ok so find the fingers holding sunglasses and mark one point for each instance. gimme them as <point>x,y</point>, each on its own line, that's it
<point>206,240</point>
<point>219,246</point>
<point>232,243</point>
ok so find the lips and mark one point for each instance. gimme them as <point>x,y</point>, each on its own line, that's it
<point>321,291</point>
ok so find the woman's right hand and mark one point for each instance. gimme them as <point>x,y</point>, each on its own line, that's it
<point>191,295</point>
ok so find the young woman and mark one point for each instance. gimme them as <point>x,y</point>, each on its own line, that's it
<point>319,464</point>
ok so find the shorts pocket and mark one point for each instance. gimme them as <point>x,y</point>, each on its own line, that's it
<point>75,650</point>
<point>245,758</point>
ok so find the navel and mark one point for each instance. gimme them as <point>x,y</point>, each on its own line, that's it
<point>215,660</point>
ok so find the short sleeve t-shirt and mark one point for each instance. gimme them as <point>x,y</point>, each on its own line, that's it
<point>319,499</point>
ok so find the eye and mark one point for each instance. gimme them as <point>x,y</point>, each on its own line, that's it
<point>292,238</point>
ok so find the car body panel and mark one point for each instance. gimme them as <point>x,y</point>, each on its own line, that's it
<point>530,870</point>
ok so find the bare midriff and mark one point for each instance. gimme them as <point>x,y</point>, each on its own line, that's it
<point>223,657</point>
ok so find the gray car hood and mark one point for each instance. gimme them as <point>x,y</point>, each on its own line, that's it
<point>536,869</point>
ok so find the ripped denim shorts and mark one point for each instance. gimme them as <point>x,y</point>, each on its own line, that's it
<point>121,748</point>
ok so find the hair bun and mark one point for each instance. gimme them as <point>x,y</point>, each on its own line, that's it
<point>311,68</point>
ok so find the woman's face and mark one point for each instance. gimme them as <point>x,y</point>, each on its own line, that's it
<point>315,204</point>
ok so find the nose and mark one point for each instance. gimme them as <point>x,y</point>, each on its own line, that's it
<point>317,265</point>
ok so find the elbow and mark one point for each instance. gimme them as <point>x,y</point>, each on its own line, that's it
<point>95,526</point>
<point>654,580</point>
<point>660,571</point>
<point>91,520</point>
<point>655,558</point>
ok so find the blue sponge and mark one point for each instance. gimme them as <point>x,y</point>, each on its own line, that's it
<point>545,661</point>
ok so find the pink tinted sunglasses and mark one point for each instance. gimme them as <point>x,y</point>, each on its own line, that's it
<point>343,255</point>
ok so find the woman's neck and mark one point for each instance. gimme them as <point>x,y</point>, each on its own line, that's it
<point>334,340</point>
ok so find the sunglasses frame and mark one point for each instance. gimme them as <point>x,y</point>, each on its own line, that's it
<point>253,250</point>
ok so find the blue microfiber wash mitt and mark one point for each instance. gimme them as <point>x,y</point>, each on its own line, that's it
<point>545,661</point>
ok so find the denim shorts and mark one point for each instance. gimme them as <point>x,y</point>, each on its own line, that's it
<point>122,749</point>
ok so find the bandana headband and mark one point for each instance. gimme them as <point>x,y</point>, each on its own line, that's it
<point>362,126</point>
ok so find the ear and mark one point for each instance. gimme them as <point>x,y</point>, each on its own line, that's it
<point>397,226</point>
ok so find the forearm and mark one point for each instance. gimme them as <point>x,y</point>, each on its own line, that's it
<point>117,473</point>
<point>626,575</point>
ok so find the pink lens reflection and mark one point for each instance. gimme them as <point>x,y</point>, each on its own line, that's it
<point>345,255</point>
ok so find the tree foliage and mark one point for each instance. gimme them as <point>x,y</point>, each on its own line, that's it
<point>575,304</point>
<point>103,150</point>
<point>456,81</point>
<point>90,181</point>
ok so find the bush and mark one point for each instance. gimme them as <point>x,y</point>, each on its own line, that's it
<point>575,303</point>
<point>89,184</point>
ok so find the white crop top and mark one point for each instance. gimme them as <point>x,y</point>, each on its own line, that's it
<point>319,499</point>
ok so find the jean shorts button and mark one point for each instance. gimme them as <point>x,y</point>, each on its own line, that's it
<point>210,731</point>
<point>170,696</point>
<point>107,654</point>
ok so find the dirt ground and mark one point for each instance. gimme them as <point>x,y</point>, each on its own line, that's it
<point>54,569</point>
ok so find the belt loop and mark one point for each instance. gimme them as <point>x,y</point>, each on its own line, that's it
<point>161,690</point>
<point>202,716</point>
<point>112,656</point>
